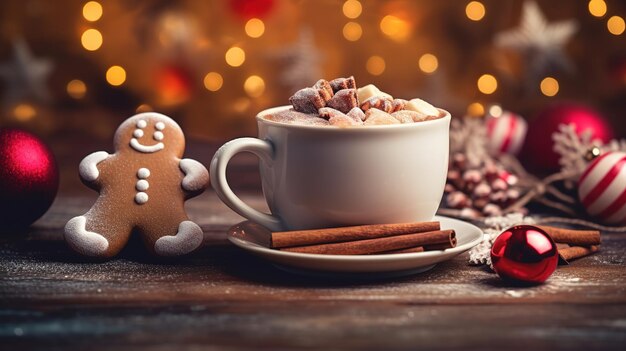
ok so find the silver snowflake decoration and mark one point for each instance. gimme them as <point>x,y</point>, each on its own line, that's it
<point>494,226</point>
<point>573,148</point>
<point>540,41</point>
<point>302,62</point>
<point>24,76</point>
<point>469,137</point>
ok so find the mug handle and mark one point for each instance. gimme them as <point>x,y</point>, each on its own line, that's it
<point>262,149</point>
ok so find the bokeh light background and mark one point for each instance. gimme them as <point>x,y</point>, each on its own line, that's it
<point>212,65</point>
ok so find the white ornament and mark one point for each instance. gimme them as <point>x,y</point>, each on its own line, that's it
<point>302,62</point>
<point>602,188</point>
<point>506,133</point>
<point>542,42</point>
<point>25,76</point>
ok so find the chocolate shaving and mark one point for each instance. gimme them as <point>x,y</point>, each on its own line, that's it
<point>383,103</point>
<point>344,100</point>
<point>398,104</point>
<point>307,100</point>
<point>324,88</point>
<point>343,83</point>
<point>329,112</point>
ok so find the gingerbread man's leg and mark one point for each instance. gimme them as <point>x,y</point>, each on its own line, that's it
<point>94,236</point>
<point>175,236</point>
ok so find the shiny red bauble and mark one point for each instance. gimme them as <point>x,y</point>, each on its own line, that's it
<point>538,154</point>
<point>525,254</point>
<point>247,9</point>
<point>29,178</point>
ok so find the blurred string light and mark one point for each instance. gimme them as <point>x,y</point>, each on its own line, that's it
<point>116,75</point>
<point>487,84</point>
<point>144,108</point>
<point>495,111</point>
<point>76,89</point>
<point>395,28</point>
<point>254,86</point>
<point>24,112</point>
<point>235,56</point>
<point>255,28</point>
<point>91,39</point>
<point>352,9</point>
<point>475,10</point>
<point>428,63</point>
<point>475,109</point>
<point>616,25</point>
<point>375,65</point>
<point>92,11</point>
<point>241,105</point>
<point>597,8</point>
<point>352,31</point>
<point>213,81</point>
<point>549,86</point>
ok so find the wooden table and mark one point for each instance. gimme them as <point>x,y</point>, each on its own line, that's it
<point>224,298</point>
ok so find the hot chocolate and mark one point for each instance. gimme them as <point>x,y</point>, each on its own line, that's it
<point>339,103</point>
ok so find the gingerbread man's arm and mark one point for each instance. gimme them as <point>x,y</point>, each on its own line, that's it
<point>196,178</point>
<point>88,168</point>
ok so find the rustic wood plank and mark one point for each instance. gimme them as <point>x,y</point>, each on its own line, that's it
<point>330,324</point>
<point>31,268</point>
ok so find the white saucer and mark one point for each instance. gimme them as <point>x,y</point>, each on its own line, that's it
<point>255,238</point>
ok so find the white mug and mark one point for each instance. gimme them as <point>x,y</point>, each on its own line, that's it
<point>321,176</point>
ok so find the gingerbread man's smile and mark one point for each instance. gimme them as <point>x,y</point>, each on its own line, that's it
<point>157,135</point>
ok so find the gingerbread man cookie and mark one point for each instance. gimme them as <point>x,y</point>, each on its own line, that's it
<point>143,187</point>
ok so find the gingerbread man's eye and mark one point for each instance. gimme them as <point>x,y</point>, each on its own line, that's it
<point>158,136</point>
<point>159,126</point>
<point>138,133</point>
<point>142,124</point>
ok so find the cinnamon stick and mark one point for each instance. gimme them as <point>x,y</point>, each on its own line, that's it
<point>342,234</point>
<point>409,250</point>
<point>377,245</point>
<point>434,247</point>
<point>574,252</point>
<point>573,237</point>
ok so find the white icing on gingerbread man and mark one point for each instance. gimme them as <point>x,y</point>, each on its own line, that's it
<point>142,187</point>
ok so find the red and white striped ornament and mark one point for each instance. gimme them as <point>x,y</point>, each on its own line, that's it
<point>602,188</point>
<point>506,132</point>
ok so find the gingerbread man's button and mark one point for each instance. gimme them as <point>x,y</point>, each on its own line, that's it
<point>142,185</point>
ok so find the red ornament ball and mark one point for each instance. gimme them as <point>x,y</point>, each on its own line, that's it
<point>602,188</point>
<point>174,85</point>
<point>247,9</point>
<point>524,253</point>
<point>29,178</point>
<point>506,133</point>
<point>538,153</point>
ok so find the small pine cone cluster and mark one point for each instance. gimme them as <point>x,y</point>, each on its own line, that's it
<point>480,191</point>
